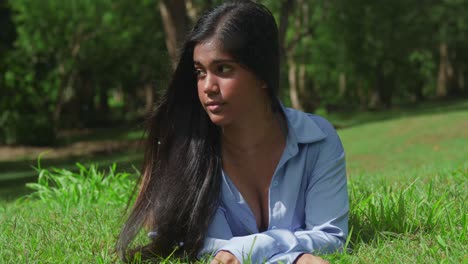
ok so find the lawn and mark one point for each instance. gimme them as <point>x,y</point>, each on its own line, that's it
<point>408,185</point>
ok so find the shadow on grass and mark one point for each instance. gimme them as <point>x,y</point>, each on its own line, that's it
<point>347,119</point>
<point>100,146</point>
<point>99,134</point>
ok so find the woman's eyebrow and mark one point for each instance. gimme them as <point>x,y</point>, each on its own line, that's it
<point>216,61</point>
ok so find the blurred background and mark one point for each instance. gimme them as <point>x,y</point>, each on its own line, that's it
<point>78,77</point>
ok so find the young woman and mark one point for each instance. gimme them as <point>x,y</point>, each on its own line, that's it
<point>228,170</point>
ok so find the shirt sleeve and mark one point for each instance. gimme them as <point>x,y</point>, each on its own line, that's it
<point>326,217</point>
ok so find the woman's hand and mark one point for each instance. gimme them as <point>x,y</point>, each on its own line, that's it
<point>225,257</point>
<point>310,259</point>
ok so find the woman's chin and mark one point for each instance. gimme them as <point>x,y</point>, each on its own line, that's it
<point>219,120</point>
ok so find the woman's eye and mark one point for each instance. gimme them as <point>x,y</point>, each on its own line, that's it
<point>224,68</point>
<point>199,73</point>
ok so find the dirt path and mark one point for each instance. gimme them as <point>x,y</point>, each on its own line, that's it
<point>82,148</point>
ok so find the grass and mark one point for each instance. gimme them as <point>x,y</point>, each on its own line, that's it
<point>72,217</point>
<point>407,184</point>
<point>347,119</point>
<point>12,181</point>
<point>407,146</point>
<point>14,174</point>
<point>420,221</point>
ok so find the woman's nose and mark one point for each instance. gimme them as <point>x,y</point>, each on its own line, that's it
<point>211,85</point>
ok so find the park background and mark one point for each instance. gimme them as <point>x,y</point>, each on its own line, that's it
<point>79,77</point>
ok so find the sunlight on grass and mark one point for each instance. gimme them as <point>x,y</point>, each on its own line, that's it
<point>395,149</point>
<point>407,186</point>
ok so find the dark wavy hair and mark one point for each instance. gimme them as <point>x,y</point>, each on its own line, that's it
<point>181,176</point>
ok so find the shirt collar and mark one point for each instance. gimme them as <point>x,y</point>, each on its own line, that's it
<point>301,128</point>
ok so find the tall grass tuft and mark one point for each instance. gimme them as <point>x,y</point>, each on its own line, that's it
<point>430,212</point>
<point>83,187</point>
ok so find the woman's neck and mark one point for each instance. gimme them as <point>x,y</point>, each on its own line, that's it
<point>254,133</point>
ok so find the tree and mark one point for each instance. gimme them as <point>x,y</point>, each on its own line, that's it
<point>449,19</point>
<point>175,21</point>
<point>69,55</point>
<point>177,17</point>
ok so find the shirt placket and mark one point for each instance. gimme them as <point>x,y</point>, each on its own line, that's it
<point>277,181</point>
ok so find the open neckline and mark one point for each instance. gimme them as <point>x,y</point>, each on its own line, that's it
<point>289,151</point>
<point>241,202</point>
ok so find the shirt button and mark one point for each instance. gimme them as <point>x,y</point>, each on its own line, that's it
<point>275,183</point>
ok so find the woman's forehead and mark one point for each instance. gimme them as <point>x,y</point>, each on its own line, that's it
<point>210,51</point>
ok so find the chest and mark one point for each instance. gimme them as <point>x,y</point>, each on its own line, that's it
<point>252,177</point>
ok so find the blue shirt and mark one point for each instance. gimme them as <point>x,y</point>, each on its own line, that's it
<point>308,200</point>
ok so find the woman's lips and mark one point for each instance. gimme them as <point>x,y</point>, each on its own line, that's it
<point>214,107</point>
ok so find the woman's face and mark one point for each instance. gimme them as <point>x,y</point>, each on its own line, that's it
<point>228,92</point>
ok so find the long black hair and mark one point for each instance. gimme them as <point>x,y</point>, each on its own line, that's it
<point>181,177</point>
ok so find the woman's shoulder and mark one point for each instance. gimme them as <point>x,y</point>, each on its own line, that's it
<point>309,126</point>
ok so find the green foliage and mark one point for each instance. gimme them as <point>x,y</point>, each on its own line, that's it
<point>66,57</point>
<point>33,129</point>
<point>67,189</point>
<point>363,53</point>
<point>82,58</point>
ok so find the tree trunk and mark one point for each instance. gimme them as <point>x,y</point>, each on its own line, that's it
<point>342,85</point>
<point>461,80</point>
<point>194,9</point>
<point>445,71</point>
<point>307,90</point>
<point>149,98</point>
<point>286,9</point>
<point>386,86</point>
<point>362,95</point>
<point>103,101</point>
<point>375,100</point>
<point>86,95</point>
<point>455,80</point>
<point>175,20</point>
<point>287,55</point>
<point>293,85</point>
<point>375,97</point>
<point>130,100</point>
<point>66,81</point>
<point>418,95</point>
<point>302,79</point>
<point>60,98</point>
<point>381,94</point>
